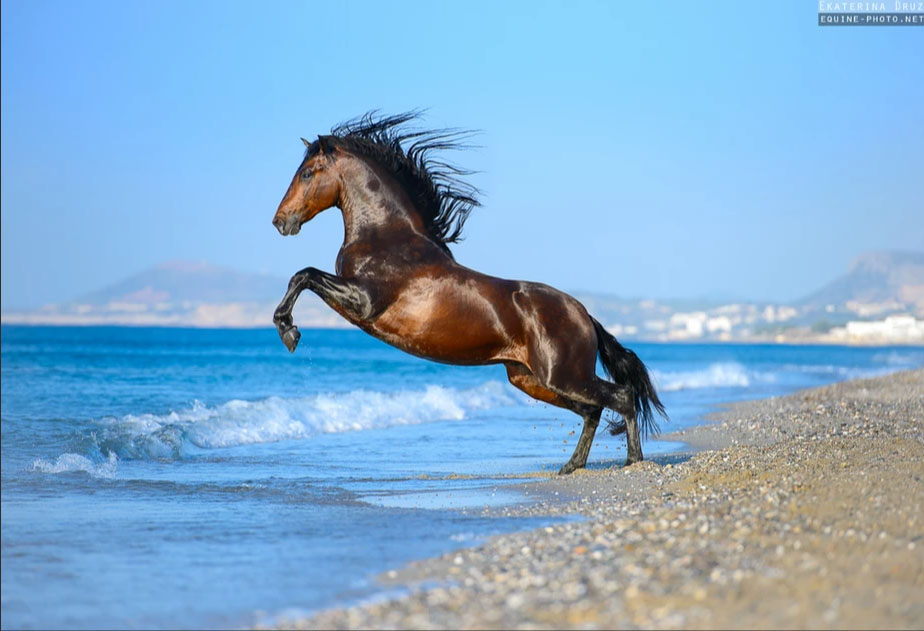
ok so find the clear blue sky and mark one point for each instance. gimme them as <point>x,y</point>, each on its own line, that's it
<point>670,149</point>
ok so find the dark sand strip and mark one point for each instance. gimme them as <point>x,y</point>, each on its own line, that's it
<point>805,511</point>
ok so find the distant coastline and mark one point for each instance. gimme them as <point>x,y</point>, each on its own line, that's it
<point>878,301</point>
<point>200,316</point>
<point>837,337</point>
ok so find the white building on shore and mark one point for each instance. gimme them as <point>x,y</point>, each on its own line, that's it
<point>898,329</point>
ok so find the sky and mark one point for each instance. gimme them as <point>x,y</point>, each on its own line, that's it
<point>666,149</point>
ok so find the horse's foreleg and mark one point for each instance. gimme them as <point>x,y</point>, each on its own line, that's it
<point>346,297</point>
<point>282,317</point>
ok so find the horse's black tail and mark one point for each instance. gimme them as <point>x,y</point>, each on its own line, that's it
<point>624,367</point>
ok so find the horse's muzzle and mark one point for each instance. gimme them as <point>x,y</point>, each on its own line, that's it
<point>287,226</point>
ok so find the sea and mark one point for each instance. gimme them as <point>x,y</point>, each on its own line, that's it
<point>168,477</point>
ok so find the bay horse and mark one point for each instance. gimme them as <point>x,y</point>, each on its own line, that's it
<point>397,280</point>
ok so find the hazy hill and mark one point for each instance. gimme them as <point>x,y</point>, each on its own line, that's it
<point>183,281</point>
<point>876,277</point>
<point>182,293</point>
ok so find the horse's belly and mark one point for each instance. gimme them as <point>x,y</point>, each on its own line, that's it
<point>453,331</point>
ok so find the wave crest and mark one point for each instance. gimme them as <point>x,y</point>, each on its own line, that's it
<point>69,463</point>
<point>238,422</point>
<point>719,375</point>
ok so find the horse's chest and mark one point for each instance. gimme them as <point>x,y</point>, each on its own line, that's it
<point>355,262</point>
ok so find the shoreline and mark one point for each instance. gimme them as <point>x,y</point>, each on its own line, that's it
<point>800,511</point>
<point>336,324</point>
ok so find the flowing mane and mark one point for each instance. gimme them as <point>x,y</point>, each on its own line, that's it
<point>443,200</point>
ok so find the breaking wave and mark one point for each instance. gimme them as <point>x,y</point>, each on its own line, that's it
<point>903,360</point>
<point>274,419</point>
<point>68,463</point>
<point>720,375</point>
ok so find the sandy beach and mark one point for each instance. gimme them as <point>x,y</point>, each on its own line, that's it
<point>805,511</point>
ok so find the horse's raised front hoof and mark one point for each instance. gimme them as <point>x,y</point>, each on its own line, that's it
<point>569,468</point>
<point>290,338</point>
<point>631,460</point>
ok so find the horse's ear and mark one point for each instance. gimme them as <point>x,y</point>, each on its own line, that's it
<point>324,142</point>
<point>307,144</point>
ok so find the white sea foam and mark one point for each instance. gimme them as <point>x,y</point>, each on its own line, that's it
<point>837,372</point>
<point>719,375</point>
<point>239,422</point>
<point>908,359</point>
<point>68,463</point>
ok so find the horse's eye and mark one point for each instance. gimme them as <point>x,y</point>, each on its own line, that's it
<point>306,174</point>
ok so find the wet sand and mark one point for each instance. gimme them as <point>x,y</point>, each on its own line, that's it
<point>804,511</point>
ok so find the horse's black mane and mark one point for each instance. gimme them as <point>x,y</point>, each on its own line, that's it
<point>442,199</point>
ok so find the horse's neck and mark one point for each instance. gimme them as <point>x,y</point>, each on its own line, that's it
<point>375,207</point>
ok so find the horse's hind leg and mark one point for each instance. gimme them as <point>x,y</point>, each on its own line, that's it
<point>522,378</point>
<point>620,398</point>
<point>603,394</point>
<point>582,450</point>
<point>587,391</point>
<point>633,440</point>
<point>566,364</point>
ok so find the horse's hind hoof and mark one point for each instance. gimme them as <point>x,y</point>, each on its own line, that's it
<point>290,338</point>
<point>567,469</point>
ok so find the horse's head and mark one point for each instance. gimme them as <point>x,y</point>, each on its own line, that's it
<point>315,187</point>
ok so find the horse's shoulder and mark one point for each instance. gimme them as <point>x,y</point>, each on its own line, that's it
<point>352,257</point>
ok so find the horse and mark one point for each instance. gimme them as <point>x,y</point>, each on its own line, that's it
<point>397,280</point>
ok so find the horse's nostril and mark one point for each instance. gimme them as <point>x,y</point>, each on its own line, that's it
<point>277,221</point>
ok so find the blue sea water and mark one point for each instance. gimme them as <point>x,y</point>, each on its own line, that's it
<point>157,478</point>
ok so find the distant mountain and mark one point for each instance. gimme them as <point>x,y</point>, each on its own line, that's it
<point>184,281</point>
<point>876,277</point>
<point>182,293</point>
